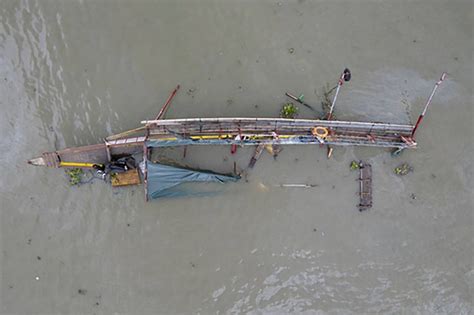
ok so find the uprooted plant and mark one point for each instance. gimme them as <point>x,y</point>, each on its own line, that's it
<point>289,110</point>
<point>326,99</point>
<point>75,176</point>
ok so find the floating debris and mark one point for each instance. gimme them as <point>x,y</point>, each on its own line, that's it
<point>365,187</point>
<point>299,99</point>
<point>262,187</point>
<point>256,155</point>
<point>289,110</point>
<point>326,101</point>
<point>82,291</point>
<point>330,150</point>
<point>79,176</point>
<point>269,149</point>
<point>273,149</point>
<point>297,185</point>
<point>75,176</point>
<point>355,165</point>
<point>403,169</point>
<point>396,152</point>
<point>291,50</point>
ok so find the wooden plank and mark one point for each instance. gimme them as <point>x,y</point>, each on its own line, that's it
<point>256,155</point>
<point>127,178</point>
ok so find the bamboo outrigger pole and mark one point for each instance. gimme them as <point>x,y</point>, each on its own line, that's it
<point>147,134</point>
<point>168,101</point>
<point>418,122</point>
<point>125,134</point>
<point>145,162</point>
<point>160,115</point>
<point>345,76</point>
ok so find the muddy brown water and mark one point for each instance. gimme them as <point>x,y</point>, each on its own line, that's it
<point>73,72</point>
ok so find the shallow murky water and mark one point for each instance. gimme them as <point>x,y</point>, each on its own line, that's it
<point>72,72</point>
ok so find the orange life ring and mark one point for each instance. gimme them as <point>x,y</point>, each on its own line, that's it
<point>320,132</point>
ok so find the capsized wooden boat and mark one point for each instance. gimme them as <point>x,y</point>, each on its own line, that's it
<point>241,131</point>
<point>228,131</point>
<point>259,132</point>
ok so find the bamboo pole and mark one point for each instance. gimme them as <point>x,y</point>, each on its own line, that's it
<point>420,118</point>
<point>161,113</point>
<point>125,133</point>
<point>276,123</point>
<point>345,76</point>
<point>167,103</point>
<point>145,163</point>
<point>296,185</point>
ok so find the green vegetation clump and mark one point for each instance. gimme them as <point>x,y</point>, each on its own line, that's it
<point>75,176</point>
<point>403,169</point>
<point>326,101</point>
<point>289,110</point>
<point>354,165</point>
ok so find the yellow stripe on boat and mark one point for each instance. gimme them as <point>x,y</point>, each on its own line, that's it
<point>226,136</point>
<point>76,164</point>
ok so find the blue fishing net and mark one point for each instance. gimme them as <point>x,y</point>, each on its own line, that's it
<point>170,181</point>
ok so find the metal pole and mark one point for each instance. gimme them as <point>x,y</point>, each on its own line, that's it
<point>418,122</point>
<point>345,76</point>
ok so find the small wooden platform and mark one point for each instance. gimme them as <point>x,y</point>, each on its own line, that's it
<point>365,188</point>
<point>127,178</point>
